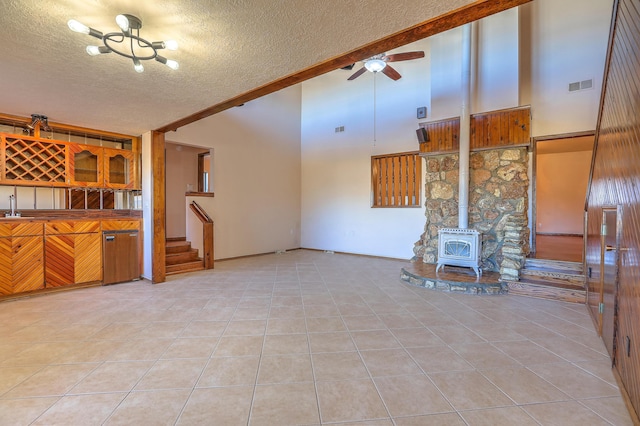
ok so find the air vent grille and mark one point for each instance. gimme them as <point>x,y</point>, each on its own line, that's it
<point>581,85</point>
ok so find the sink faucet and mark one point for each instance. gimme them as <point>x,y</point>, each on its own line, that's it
<point>12,206</point>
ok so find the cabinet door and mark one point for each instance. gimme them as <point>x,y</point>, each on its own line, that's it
<point>21,264</point>
<point>119,168</point>
<point>60,265</point>
<point>85,165</point>
<point>88,259</point>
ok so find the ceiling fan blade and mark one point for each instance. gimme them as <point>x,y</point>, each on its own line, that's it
<point>357,74</point>
<point>406,56</point>
<point>348,67</point>
<point>390,72</point>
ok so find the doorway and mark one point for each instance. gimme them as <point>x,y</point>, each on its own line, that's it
<point>561,166</point>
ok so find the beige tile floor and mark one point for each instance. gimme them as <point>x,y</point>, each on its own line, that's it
<point>300,338</point>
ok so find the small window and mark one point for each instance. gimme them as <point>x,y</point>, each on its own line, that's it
<point>396,180</point>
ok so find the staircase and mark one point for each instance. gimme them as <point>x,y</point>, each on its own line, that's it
<point>551,279</point>
<point>180,257</point>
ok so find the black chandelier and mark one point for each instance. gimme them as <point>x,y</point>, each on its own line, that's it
<point>127,42</point>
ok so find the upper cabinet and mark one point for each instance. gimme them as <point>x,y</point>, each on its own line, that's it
<point>26,160</point>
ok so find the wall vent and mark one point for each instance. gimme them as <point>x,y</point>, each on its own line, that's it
<point>580,85</point>
<point>340,129</point>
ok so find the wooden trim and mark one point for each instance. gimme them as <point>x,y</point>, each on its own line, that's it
<point>198,194</point>
<point>158,267</point>
<point>469,13</point>
<point>564,136</point>
<point>491,148</point>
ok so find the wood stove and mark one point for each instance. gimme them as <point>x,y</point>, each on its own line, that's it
<point>459,247</point>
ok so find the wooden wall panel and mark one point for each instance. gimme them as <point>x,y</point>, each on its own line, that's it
<point>495,129</point>
<point>444,136</point>
<point>88,258</point>
<point>59,266</point>
<point>615,177</point>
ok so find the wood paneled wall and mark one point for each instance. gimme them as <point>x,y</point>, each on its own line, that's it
<point>615,182</point>
<point>509,127</point>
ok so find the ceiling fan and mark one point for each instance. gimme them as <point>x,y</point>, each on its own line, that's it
<point>379,63</point>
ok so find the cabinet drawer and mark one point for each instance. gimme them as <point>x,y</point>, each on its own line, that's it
<point>20,228</point>
<point>72,227</point>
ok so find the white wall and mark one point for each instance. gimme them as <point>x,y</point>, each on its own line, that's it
<point>256,170</point>
<point>336,167</point>
<point>568,44</point>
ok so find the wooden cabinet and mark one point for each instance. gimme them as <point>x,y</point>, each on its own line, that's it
<point>40,253</point>
<point>73,252</point>
<point>21,257</point>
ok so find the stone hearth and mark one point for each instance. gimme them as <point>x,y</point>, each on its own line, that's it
<point>452,279</point>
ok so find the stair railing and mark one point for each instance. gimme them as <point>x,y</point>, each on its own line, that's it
<point>207,234</point>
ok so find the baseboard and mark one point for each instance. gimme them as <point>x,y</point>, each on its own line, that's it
<point>355,254</point>
<point>253,255</point>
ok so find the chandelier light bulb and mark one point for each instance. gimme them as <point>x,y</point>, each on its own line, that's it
<point>172,64</point>
<point>78,27</point>
<point>123,22</point>
<point>168,62</point>
<point>137,66</point>
<point>97,50</point>
<point>171,45</point>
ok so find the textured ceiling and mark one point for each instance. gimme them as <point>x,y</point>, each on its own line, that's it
<point>227,47</point>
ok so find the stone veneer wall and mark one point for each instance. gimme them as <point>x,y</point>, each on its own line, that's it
<point>497,190</point>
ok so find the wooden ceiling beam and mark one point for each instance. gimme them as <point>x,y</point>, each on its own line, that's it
<point>472,12</point>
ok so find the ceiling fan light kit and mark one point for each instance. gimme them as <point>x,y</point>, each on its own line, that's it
<point>127,42</point>
<point>375,65</point>
<point>380,63</point>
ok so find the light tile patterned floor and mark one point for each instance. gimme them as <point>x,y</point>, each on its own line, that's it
<point>300,338</point>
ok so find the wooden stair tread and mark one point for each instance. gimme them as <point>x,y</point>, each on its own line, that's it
<point>553,284</point>
<point>177,247</point>
<point>181,257</point>
<point>554,265</point>
<point>552,277</point>
<point>196,265</point>
<point>175,239</point>
<point>529,289</point>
